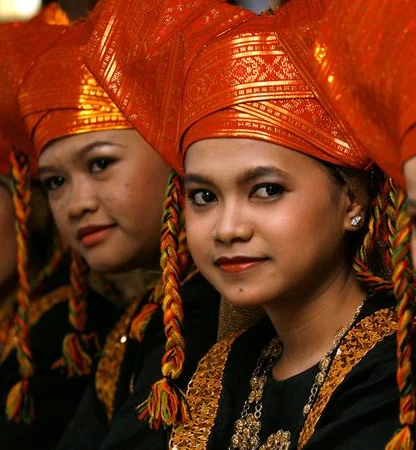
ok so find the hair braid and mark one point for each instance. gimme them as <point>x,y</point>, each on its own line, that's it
<point>48,271</point>
<point>404,291</point>
<point>166,403</point>
<point>20,407</point>
<point>368,248</point>
<point>77,346</point>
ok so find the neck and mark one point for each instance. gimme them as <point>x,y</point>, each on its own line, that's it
<point>308,328</point>
<point>126,285</point>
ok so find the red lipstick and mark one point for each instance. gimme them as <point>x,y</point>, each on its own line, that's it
<point>238,264</point>
<point>93,234</point>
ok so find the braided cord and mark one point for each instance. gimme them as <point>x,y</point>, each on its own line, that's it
<point>166,403</point>
<point>404,292</point>
<point>78,346</point>
<point>20,407</point>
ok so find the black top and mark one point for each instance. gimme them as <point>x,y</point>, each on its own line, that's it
<point>55,396</point>
<point>361,414</point>
<point>90,429</point>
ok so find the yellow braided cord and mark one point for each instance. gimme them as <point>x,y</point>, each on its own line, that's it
<point>403,279</point>
<point>166,404</point>
<point>376,233</point>
<point>78,346</point>
<point>19,405</point>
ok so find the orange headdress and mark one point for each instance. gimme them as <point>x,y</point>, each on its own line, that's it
<point>364,61</point>
<point>244,84</point>
<point>59,96</point>
<point>139,51</point>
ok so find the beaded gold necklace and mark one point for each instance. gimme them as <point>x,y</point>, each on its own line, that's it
<point>247,427</point>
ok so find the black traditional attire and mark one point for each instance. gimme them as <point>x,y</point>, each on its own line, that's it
<point>106,418</point>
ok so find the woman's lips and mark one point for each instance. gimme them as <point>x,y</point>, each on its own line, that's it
<point>93,234</point>
<point>238,264</point>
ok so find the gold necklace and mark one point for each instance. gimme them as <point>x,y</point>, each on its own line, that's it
<point>247,427</point>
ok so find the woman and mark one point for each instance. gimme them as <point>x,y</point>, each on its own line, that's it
<point>277,204</point>
<point>106,190</point>
<point>36,401</point>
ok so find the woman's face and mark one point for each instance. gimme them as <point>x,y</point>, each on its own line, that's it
<point>106,192</point>
<point>8,254</point>
<point>264,222</point>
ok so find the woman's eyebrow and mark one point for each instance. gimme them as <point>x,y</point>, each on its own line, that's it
<point>81,152</point>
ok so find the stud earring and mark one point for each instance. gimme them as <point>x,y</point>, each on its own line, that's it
<point>355,221</point>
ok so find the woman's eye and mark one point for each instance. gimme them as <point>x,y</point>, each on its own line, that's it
<point>202,197</point>
<point>99,164</point>
<point>268,191</point>
<point>53,183</point>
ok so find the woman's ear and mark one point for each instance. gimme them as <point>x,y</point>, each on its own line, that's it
<point>355,213</point>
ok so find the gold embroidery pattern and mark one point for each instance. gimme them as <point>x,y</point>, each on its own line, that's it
<point>205,388</point>
<point>359,341</point>
<point>109,365</point>
<point>204,391</point>
<point>38,308</point>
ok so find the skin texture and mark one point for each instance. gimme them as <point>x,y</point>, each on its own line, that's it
<point>259,200</point>
<point>107,178</point>
<point>8,256</point>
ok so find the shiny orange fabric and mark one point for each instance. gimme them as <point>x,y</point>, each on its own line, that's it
<point>20,42</point>
<point>365,63</point>
<point>244,84</point>
<point>215,71</point>
<point>60,97</point>
<point>139,52</point>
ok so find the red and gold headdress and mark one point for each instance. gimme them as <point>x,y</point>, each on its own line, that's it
<point>244,84</point>
<point>60,97</point>
<point>364,63</point>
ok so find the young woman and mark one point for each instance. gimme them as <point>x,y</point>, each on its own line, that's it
<point>278,203</point>
<point>106,189</point>
<point>36,402</point>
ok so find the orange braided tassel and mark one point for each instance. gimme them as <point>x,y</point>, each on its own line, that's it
<point>19,407</point>
<point>166,405</point>
<point>140,322</point>
<point>403,278</point>
<point>77,346</point>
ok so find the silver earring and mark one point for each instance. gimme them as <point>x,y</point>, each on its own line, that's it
<point>355,221</point>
